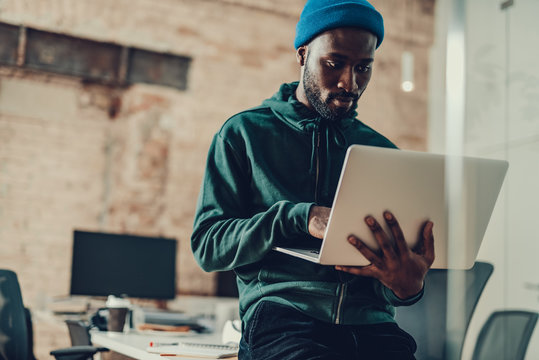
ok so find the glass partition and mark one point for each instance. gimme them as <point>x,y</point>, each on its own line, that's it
<point>484,91</point>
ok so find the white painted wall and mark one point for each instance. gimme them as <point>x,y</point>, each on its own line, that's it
<point>501,121</point>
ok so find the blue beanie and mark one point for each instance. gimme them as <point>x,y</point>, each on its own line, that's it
<point>322,15</point>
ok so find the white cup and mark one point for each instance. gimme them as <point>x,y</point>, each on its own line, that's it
<point>231,332</point>
<point>225,311</point>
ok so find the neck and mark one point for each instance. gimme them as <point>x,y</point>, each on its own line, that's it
<point>302,97</point>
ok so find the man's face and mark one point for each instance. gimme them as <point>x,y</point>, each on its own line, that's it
<point>337,69</point>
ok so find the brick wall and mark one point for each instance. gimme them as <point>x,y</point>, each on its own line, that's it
<point>66,164</point>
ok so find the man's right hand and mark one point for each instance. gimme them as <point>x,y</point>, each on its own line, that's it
<point>318,221</point>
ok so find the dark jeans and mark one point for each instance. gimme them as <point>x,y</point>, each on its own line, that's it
<point>279,332</point>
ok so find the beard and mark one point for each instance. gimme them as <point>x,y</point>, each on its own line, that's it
<point>322,107</point>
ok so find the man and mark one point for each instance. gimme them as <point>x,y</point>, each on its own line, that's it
<point>271,176</point>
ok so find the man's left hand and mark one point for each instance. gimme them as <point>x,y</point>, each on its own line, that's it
<point>396,265</point>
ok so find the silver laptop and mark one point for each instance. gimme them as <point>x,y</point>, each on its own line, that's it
<point>413,186</point>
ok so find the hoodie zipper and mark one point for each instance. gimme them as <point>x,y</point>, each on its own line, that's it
<point>317,165</point>
<point>342,291</point>
<point>343,286</point>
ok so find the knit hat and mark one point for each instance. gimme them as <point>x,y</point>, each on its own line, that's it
<point>322,15</point>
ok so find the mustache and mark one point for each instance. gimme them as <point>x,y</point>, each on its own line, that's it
<point>343,94</point>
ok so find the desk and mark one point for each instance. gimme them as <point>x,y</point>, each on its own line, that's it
<point>134,344</point>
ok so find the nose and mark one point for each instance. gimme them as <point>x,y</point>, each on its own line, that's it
<point>348,80</point>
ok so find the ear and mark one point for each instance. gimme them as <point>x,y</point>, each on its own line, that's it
<point>301,55</point>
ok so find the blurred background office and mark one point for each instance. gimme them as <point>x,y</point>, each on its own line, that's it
<point>107,109</point>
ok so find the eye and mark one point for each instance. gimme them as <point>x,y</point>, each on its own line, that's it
<point>363,68</point>
<point>333,64</point>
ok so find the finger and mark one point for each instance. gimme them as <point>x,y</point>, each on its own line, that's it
<point>425,244</point>
<point>365,251</point>
<point>428,242</point>
<point>369,271</point>
<point>381,238</point>
<point>396,231</point>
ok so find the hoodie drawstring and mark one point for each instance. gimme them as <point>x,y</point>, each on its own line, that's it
<point>315,143</point>
<point>333,134</point>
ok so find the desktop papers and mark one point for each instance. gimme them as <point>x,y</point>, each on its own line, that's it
<point>202,350</point>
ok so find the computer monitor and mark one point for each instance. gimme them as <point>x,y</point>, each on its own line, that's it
<point>123,265</point>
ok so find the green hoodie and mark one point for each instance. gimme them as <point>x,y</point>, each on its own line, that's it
<point>266,167</point>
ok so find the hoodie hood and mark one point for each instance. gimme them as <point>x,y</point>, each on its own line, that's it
<point>288,108</point>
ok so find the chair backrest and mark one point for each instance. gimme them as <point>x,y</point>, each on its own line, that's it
<point>505,335</point>
<point>226,284</point>
<point>13,329</point>
<point>79,332</point>
<point>426,320</point>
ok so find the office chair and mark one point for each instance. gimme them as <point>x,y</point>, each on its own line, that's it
<point>16,334</point>
<point>82,349</point>
<point>505,335</point>
<point>15,338</point>
<point>426,320</point>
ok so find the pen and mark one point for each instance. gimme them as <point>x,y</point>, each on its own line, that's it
<point>155,344</point>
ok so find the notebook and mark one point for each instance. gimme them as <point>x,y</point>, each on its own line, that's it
<point>414,186</point>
